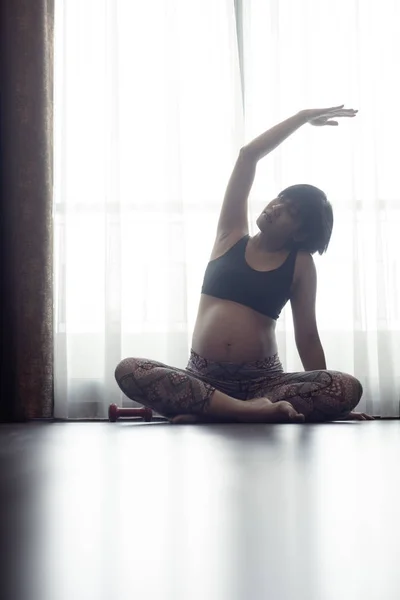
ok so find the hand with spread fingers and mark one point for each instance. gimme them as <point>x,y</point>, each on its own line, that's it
<point>356,416</point>
<point>327,116</point>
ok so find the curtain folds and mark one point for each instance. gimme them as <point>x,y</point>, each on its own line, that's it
<point>152,103</point>
<point>26,141</point>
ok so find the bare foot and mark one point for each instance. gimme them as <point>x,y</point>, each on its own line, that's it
<point>190,419</point>
<point>266,411</point>
<point>262,411</point>
<point>186,419</point>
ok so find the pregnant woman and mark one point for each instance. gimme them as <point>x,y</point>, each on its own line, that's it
<point>234,373</point>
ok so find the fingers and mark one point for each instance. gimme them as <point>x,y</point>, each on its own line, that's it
<point>364,417</point>
<point>331,109</point>
<point>185,419</point>
<point>322,117</point>
<point>337,112</point>
<point>345,113</point>
<point>326,119</point>
<point>357,416</point>
<point>360,417</point>
<point>340,109</point>
<point>335,109</point>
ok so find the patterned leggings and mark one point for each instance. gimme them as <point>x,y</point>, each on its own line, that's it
<point>318,395</point>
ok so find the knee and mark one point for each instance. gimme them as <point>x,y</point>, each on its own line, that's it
<point>352,389</point>
<point>127,366</point>
<point>356,390</point>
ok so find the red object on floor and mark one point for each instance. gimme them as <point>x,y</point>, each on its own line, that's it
<point>115,413</point>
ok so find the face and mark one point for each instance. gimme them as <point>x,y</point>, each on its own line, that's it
<point>280,221</point>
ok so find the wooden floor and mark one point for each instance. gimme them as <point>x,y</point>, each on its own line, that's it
<point>101,511</point>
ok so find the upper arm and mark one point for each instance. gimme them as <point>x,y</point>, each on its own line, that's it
<point>233,216</point>
<point>303,299</point>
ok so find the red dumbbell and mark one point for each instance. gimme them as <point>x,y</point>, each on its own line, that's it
<point>115,412</point>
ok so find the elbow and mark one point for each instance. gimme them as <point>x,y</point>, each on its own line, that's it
<point>247,153</point>
<point>307,339</point>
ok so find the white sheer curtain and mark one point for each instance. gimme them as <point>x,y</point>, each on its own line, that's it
<point>148,124</point>
<point>149,120</point>
<point>323,53</point>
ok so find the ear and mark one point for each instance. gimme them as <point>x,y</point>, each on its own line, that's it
<point>300,236</point>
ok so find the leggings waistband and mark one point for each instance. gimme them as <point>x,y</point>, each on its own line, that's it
<point>258,368</point>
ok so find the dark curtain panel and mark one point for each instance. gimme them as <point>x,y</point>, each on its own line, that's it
<point>26,165</point>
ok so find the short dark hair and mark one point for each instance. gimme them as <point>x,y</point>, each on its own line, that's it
<point>315,213</point>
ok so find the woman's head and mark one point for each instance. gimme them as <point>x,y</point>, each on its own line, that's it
<point>299,217</point>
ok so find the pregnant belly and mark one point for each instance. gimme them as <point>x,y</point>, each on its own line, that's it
<point>229,332</point>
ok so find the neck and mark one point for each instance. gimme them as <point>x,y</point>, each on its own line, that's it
<point>267,244</point>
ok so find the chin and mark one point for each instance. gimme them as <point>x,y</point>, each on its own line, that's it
<point>261,223</point>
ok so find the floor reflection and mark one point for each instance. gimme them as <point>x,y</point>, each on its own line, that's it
<point>101,511</point>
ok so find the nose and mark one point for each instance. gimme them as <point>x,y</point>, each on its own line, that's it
<point>275,210</point>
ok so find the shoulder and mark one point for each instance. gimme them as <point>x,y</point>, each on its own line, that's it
<point>304,260</point>
<point>304,269</point>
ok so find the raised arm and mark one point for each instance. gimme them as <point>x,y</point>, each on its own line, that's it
<point>233,216</point>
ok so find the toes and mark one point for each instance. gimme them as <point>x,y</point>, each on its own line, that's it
<point>298,418</point>
<point>184,419</point>
<point>295,416</point>
<point>291,413</point>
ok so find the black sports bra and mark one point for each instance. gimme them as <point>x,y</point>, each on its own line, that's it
<point>229,277</point>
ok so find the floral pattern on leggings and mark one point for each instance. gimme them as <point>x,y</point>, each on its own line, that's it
<point>319,395</point>
<point>167,390</point>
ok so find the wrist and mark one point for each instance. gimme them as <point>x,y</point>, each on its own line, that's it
<point>303,116</point>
